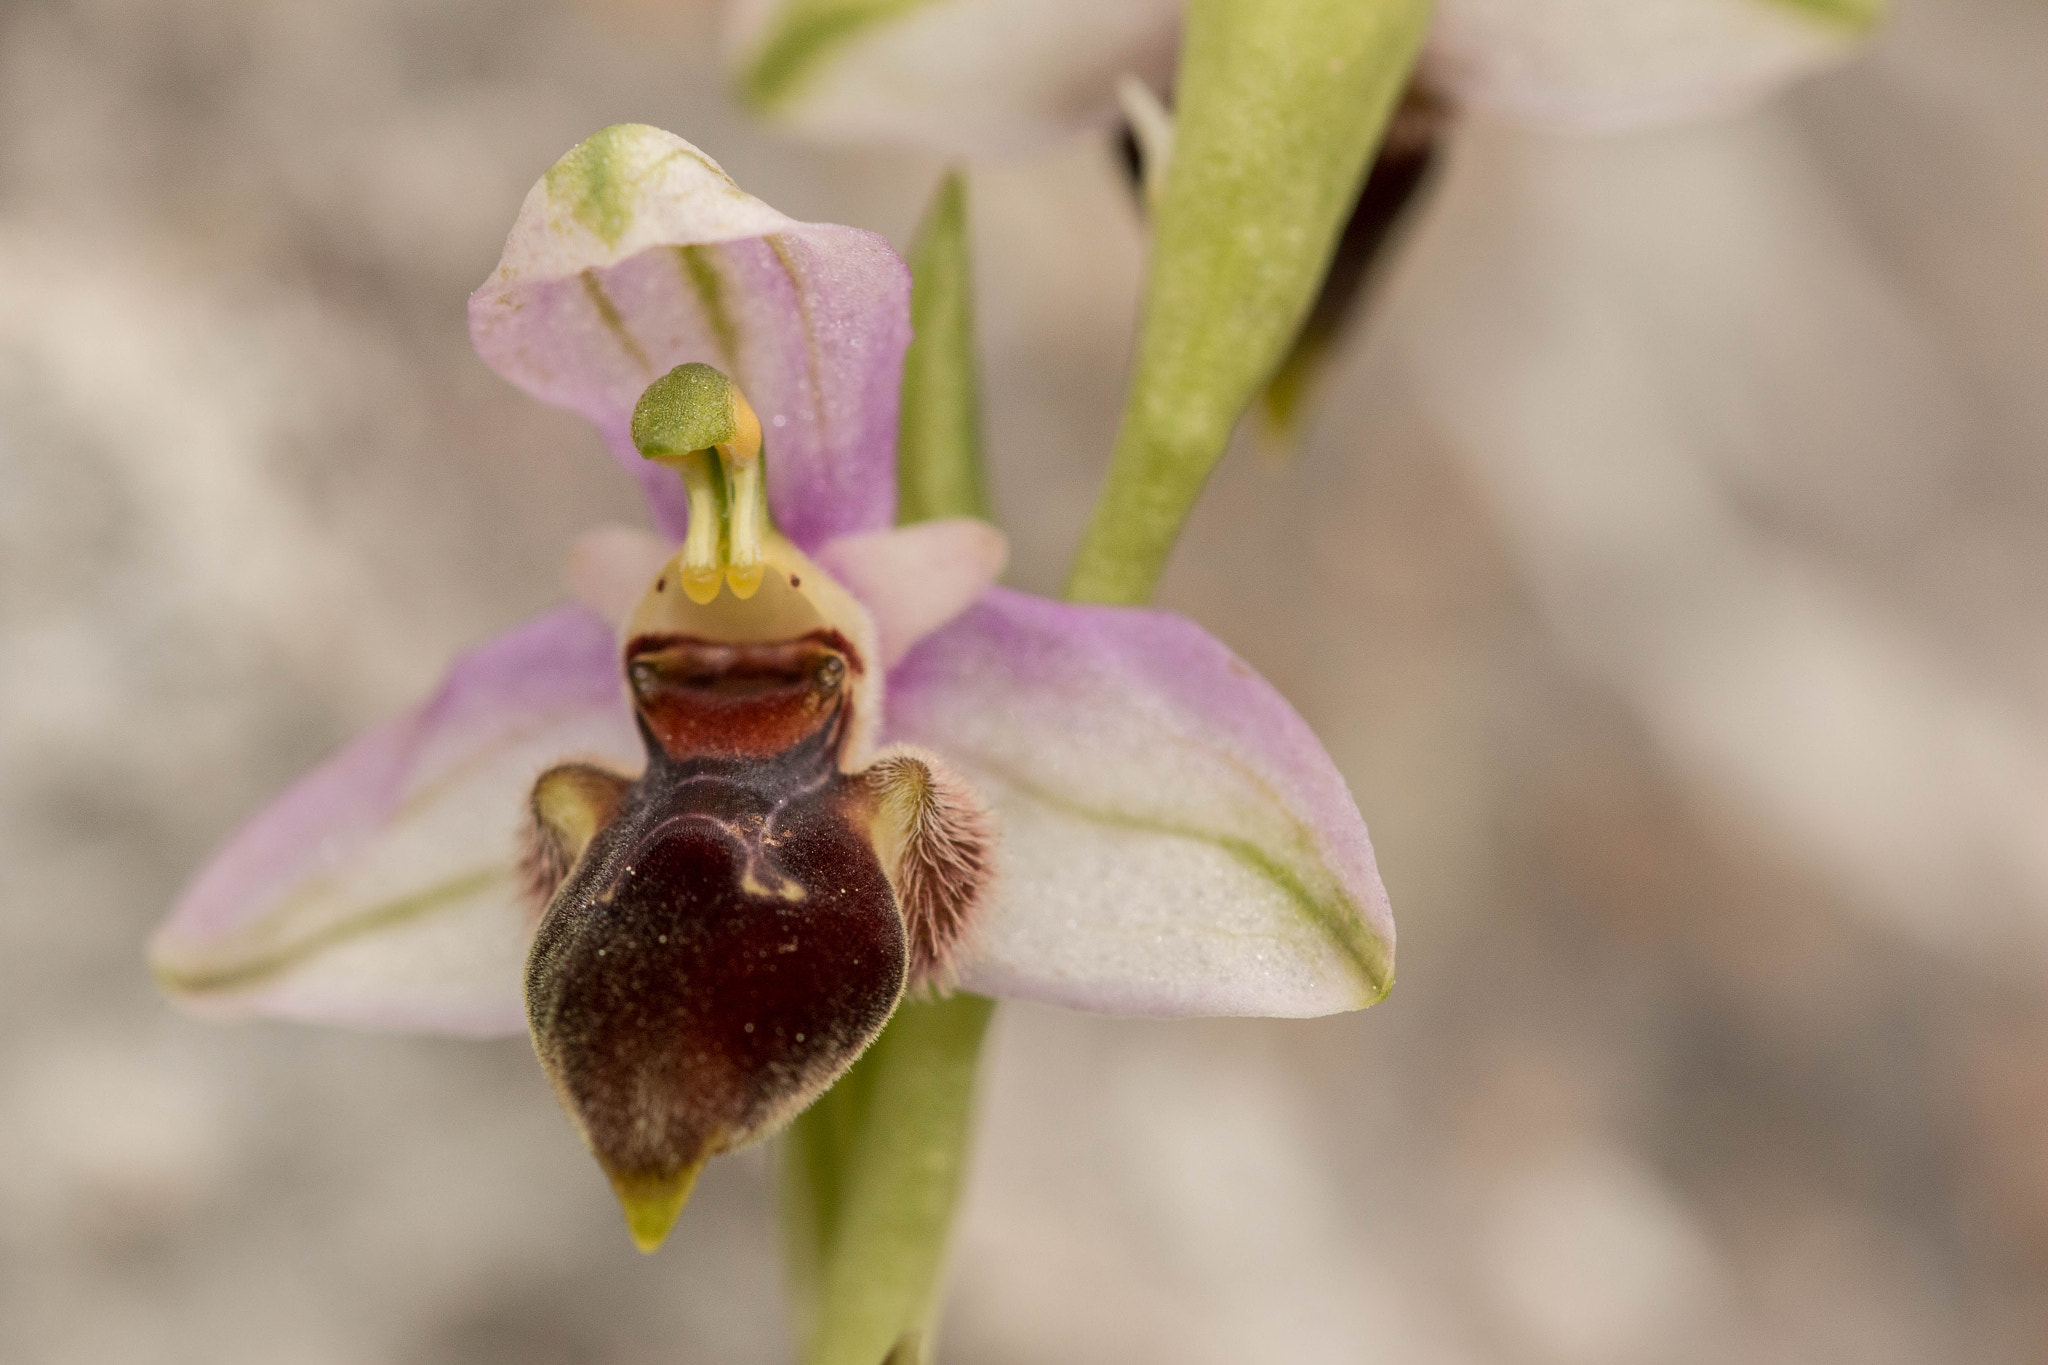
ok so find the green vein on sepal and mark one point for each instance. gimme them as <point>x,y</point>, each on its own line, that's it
<point>778,246</point>
<point>1326,908</point>
<point>700,272</point>
<point>260,964</point>
<point>608,314</point>
<point>597,182</point>
<point>806,34</point>
<point>591,180</point>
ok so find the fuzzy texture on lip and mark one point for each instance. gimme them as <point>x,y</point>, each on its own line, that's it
<point>1173,839</point>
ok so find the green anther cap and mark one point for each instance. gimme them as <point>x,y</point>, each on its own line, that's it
<point>697,422</point>
<point>692,407</point>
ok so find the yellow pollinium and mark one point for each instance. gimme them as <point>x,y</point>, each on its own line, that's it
<point>697,422</point>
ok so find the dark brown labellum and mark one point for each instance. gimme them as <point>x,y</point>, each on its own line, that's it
<point>728,943</point>
<point>722,936</point>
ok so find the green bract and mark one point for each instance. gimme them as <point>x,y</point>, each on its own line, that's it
<point>938,437</point>
<point>1281,103</point>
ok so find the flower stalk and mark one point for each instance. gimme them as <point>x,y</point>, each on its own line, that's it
<point>871,1174</point>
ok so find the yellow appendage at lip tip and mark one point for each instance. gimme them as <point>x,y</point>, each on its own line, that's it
<point>697,422</point>
<point>652,1203</point>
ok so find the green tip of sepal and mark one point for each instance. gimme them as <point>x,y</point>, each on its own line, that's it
<point>692,407</point>
<point>652,1202</point>
<point>593,179</point>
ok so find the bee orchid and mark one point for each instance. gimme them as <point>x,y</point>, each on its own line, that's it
<point>699,834</point>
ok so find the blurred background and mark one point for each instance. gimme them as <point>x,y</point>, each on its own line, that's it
<point>1663,564</point>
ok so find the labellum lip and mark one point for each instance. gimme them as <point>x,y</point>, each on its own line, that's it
<point>718,956</point>
<point>722,937</point>
<point>725,941</point>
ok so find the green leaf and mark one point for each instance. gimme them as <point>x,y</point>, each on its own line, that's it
<point>1280,104</point>
<point>938,443</point>
<point>870,1176</point>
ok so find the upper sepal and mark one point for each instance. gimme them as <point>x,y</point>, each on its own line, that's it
<point>636,253</point>
<point>1174,839</point>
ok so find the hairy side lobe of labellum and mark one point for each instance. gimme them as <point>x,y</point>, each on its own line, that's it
<point>724,935</point>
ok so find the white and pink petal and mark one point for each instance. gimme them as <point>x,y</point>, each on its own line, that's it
<point>965,77</point>
<point>383,890</point>
<point>1602,65</point>
<point>1003,77</point>
<point>914,579</point>
<point>1175,841</point>
<point>636,253</point>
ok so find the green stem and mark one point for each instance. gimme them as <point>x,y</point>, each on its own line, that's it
<point>1281,104</point>
<point>872,1171</point>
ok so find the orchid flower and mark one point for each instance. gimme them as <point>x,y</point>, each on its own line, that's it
<point>786,762</point>
<point>997,77</point>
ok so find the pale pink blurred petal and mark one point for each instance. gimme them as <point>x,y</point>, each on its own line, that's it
<point>382,889</point>
<point>1008,77</point>
<point>1175,840</point>
<point>915,579</point>
<point>610,567</point>
<point>1599,65</point>
<point>965,77</point>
